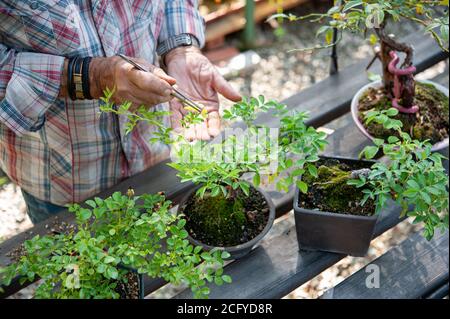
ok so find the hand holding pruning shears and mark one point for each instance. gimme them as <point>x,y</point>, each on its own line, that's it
<point>201,81</point>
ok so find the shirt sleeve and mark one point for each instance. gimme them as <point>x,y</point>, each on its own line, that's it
<point>29,85</point>
<point>182,16</point>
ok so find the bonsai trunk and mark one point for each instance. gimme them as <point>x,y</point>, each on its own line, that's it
<point>407,83</point>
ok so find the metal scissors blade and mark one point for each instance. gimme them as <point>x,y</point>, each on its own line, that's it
<point>176,93</point>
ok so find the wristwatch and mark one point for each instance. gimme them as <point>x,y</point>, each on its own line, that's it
<point>180,40</point>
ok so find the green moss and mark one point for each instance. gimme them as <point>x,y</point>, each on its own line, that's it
<point>220,218</point>
<point>330,192</point>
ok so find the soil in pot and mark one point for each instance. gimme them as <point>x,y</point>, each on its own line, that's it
<point>329,191</point>
<point>55,227</point>
<point>128,287</point>
<point>430,123</point>
<point>224,222</point>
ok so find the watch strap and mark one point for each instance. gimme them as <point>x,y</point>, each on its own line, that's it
<point>171,43</point>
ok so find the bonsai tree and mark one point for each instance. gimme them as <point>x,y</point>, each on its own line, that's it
<point>413,176</point>
<point>113,236</point>
<point>372,18</point>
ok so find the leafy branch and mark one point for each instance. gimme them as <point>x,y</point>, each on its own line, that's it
<point>360,16</point>
<point>115,234</point>
<point>413,177</point>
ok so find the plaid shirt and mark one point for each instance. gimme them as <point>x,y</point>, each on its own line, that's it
<point>63,151</point>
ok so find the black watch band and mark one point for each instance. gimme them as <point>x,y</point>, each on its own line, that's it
<point>180,40</point>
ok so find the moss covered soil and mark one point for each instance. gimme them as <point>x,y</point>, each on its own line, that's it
<point>329,191</point>
<point>430,123</point>
<point>224,222</point>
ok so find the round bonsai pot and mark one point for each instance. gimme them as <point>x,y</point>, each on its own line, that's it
<point>438,147</point>
<point>241,250</point>
<point>334,232</point>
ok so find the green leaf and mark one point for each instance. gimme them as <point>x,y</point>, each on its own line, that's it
<point>378,142</point>
<point>426,197</point>
<point>112,272</point>
<point>225,254</point>
<point>393,139</point>
<point>85,214</point>
<point>112,232</point>
<point>370,152</point>
<point>413,184</point>
<point>329,36</point>
<point>352,4</point>
<point>392,112</point>
<point>256,179</point>
<point>373,77</point>
<point>245,188</point>
<point>302,186</point>
<point>312,169</point>
<point>91,203</point>
<point>334,9</point>
<point>227,279</point>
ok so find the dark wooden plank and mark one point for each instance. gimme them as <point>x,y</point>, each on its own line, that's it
<point>277,267</point>
<point>441,292</point>
<point>409,271</point>
<point>163,178</point>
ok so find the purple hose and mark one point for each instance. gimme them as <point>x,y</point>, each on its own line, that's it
<point>398,87</point>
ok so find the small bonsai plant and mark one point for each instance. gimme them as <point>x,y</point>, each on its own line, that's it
<point>226,209</point>
<point>423,107</point>
<point>413,176</point>
<point>118,239</point>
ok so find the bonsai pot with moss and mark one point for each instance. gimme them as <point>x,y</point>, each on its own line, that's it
<point>236,223</point>
<point>430,122</point>
<point>329,217</point>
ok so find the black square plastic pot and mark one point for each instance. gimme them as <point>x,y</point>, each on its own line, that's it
<point>333,232</point>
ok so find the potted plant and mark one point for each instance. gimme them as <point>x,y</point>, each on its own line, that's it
<point>423,106</point>
<point>329,216</point>
<point>225,210</point>
<point>118,240</point>
<point>339,211</point>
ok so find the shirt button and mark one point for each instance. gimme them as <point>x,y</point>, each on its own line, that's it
<point>34,5</point>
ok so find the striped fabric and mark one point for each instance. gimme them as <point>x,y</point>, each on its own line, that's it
<point>64,151</point>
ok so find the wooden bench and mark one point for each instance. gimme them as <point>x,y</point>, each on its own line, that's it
<point>276,267</point>
<point>416,268</point>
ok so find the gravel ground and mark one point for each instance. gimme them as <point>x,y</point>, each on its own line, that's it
<point>288,73</point>
<point>13,217</point>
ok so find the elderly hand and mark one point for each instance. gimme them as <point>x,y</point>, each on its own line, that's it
<point>199,79</point>
<point>130,84</point>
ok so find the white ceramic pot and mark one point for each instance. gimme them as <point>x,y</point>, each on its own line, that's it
<point>355,104</point>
